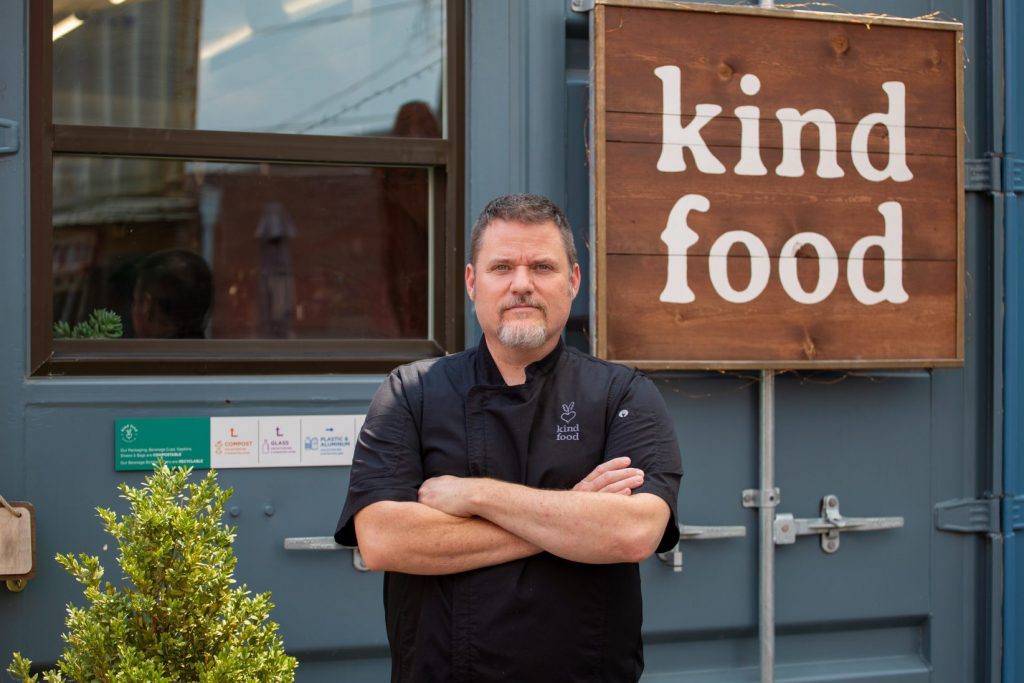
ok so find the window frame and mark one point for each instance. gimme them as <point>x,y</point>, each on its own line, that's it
<point>443,157</point>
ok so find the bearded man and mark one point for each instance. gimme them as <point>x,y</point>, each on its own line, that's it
<point>510,491</point>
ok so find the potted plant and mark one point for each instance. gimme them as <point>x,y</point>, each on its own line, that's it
<point>177,615</point>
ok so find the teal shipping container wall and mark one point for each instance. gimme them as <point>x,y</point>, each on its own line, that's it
<point>921,603</point>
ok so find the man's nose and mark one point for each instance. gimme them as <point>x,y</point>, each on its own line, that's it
<point>522,280</point>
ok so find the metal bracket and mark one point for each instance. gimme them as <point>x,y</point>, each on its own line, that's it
<point>10,141</point>
<point>757,498</point>
<point>983,175</point>
<point>674,557</point>
<point>968,515</point>
<point>325,543</point>
<point>829,525</point>
<point>1014,513</point>
<point>583,6</point>
<point>1013,174</point>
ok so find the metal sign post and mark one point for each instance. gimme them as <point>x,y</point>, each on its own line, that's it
<point>767,516</point>
<point>767,513</point>
<point>766,499</point>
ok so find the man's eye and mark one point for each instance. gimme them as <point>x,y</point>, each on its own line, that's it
<point>544,267</point>
<point>501,267</point>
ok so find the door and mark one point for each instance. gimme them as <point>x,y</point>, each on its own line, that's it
<point>896,600</point>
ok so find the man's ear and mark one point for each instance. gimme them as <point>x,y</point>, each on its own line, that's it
<point>470,281</point>
<point>146,306</point>
<point>574,279</point>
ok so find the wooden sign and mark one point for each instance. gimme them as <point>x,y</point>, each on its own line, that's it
<point>776,188</point>
<point>17,540</point>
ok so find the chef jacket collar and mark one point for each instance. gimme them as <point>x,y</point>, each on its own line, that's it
<point>487,369</point>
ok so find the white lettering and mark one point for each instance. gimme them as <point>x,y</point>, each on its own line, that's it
<point>750,131</point>
<point>679,237</point>
<point>718,266</point>
<point>674,136</point>
<point>828,268</point>
<point>891,245</point>
<point>895,122</point>
<point>793,123</point>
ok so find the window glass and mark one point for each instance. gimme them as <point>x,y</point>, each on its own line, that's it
<point>319,67</point>
<point>216,250</point>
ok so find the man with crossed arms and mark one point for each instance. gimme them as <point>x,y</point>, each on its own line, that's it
<point>510,491</point>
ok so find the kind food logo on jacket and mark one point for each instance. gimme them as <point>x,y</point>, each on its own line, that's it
<point>567,431</point>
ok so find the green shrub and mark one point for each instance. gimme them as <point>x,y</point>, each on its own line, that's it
<point>177,616</point>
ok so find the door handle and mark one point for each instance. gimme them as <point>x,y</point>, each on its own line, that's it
<point>674,558</point>
<point>829,526</point>
<point>325,543</point>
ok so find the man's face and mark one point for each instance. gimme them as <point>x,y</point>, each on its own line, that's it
<point>522,284</point>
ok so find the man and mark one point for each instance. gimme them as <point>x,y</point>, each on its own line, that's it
<point>509,491</point>
<point>172,296</point>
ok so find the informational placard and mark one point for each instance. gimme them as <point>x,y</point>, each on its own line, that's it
<point>233,442</point>
<point>776,188</point>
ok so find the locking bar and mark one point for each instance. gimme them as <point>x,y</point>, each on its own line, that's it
<point>325,543</point>
<point>829,526</point>
<point>674,557</point>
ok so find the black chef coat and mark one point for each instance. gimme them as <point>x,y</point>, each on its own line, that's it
<point>541,618</point>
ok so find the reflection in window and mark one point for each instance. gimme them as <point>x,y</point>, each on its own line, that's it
<point>321,67</point>
<point>294,251</point>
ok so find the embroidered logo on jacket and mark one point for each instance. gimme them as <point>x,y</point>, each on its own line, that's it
<point>567,431</point>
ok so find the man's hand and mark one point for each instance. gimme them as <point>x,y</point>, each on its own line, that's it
<point>451,494</point>
<point>614,476</point>
<point>447,494</point>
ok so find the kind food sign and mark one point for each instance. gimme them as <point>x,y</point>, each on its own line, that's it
<point>776,188</point>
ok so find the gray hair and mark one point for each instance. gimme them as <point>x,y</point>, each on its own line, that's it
<point>531,209</point>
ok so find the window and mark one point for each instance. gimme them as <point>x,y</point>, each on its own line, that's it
<point>248,185</point>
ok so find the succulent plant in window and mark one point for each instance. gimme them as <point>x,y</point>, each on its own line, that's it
<point>101,324</point>
<point>177,615</point>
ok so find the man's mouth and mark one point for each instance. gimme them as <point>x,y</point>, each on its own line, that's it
<point>523,306</point>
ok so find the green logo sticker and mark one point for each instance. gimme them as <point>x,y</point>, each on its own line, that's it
<point>181,442</point>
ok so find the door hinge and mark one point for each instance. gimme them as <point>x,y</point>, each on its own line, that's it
<point>1013,174</point>
<point>968,516</point>
<point>983,175</point>
<point>1014,517</point>
<point>994,173</point>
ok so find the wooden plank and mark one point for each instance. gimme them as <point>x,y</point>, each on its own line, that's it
<point>845,210</point>
<point>796,12</point>
<point>801,64</point>
<point>635,225</point>
<point>775,329</point>
<point>724,131</point>
<point>637,176</point>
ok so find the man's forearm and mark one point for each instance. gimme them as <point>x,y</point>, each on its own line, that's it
<point>584,527</point>
<point>416,539</point>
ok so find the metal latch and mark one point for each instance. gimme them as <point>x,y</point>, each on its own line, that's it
<point>757,498</point>
<point>829,525</point>
<point>674,557</point>
<point>10,141</point>
<point>322,543</point>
